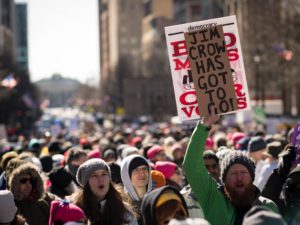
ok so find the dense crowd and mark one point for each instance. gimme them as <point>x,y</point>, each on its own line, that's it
<point>146,175</point>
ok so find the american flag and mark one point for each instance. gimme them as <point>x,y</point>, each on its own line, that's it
<point>9,82</point>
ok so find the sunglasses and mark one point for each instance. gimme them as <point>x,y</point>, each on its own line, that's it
<point>25,180</point>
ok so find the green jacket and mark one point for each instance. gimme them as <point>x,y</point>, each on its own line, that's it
<point>217,209</point>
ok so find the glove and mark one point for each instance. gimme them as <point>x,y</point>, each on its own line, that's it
<point>286,159</point>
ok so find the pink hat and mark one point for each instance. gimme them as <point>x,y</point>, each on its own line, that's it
<point>136,140</point>
<point>94,154</point>
<point>65,212</point>
<point>209,144</point>
<point>166,168</point>
<point>236,137</point>
<point>152,152</point>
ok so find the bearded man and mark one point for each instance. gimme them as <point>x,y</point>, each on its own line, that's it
<point>227,204</point>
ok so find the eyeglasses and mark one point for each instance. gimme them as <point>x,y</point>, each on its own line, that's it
<point>25,180</point>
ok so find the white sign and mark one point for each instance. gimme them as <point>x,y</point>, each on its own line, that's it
<point>185,94</point>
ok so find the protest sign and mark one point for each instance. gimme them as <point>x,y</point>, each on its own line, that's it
<point>296,142</point>
<point>211,71</point>
<point>185,93</point>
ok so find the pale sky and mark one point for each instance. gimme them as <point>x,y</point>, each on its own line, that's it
<point>63,38</point>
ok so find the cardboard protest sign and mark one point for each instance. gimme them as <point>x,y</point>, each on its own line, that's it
<point>211,71</point>
<point>296,142</point>
<point>185,92</point>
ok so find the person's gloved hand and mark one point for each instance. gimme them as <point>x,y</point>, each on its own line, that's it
<point>286,159</point>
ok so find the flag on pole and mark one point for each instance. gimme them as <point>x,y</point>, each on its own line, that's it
<point>9,82</point>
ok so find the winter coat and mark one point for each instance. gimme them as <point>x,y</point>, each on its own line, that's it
<point>35,210</point>
<point>278,187</point>
<point>149,202</point>
<point>217,208</point>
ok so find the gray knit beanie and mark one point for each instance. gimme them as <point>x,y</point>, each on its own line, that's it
<point>237,157</point>
<point>87,168</point>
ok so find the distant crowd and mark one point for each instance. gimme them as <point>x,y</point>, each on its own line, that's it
<point>151,175</point>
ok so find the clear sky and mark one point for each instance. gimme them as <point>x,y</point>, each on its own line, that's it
<point>63,38</point>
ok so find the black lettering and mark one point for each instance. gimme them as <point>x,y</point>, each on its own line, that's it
<point>191,53</point>
<point>213,80</point>
<point>214,33</point>
<point>219,62</point>
<point>224,106</point>
<point>221,94</point>
<point>223,75</point>
<point>210,93</point>
<point>204,86</point>
<point>201,51</point>
<point>200,66</point>
<point>210,65</point>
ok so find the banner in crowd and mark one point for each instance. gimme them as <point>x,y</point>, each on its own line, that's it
<point>214,91</point>
<point>296,142</point>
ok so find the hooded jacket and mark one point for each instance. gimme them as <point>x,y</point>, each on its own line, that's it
<point>36,208</point>
<point>217,208</point>
<point>148,208</point>
<point>128,187</point>
<point>279,189</point>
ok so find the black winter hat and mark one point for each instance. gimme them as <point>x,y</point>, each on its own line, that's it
<point>54,147</point>
<point>256,144</point>
<point>237,157</point>
<point>136,162</point>
<point>60,178</point>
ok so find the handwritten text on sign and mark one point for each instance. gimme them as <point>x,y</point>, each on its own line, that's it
<point>211,71</point>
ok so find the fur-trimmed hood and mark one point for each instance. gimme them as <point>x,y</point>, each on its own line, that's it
<point>17,174</point>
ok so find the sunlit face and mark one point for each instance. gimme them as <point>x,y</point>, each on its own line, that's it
<point>140,177</point>
<point>25,185</point>
<point>99,183</point>
<point>177,177</point>
<point>160,156</point>
<point>238,178</point>
<point>213,168</point>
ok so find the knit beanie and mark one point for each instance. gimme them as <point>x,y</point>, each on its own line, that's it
<point>65,212</point>
<point>260,215</point>
<point>135,163</point>
<point>237,157</point>
<point>158,179</point>
<point>166,168</point>
<point>87,168</point>
<point>256,144</point>
<point>153,151</point>
<point>8,208</point>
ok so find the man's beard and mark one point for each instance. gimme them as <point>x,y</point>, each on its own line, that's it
<point>244,199</point>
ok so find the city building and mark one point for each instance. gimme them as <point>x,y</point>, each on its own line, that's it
<point>65,90</point>
<point>7,36</point>
<point>21,42</point>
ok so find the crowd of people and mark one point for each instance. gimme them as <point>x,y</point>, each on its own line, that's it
<point>143,176</point>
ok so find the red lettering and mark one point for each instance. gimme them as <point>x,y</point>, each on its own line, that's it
<point>179,48</point>
<point>179,65</point>
<point>190,109</point>
<point>233,54</point>
<point>188,98</point>
<point>232,39</point>
<point>242,103</point>
<point>238,88</point>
